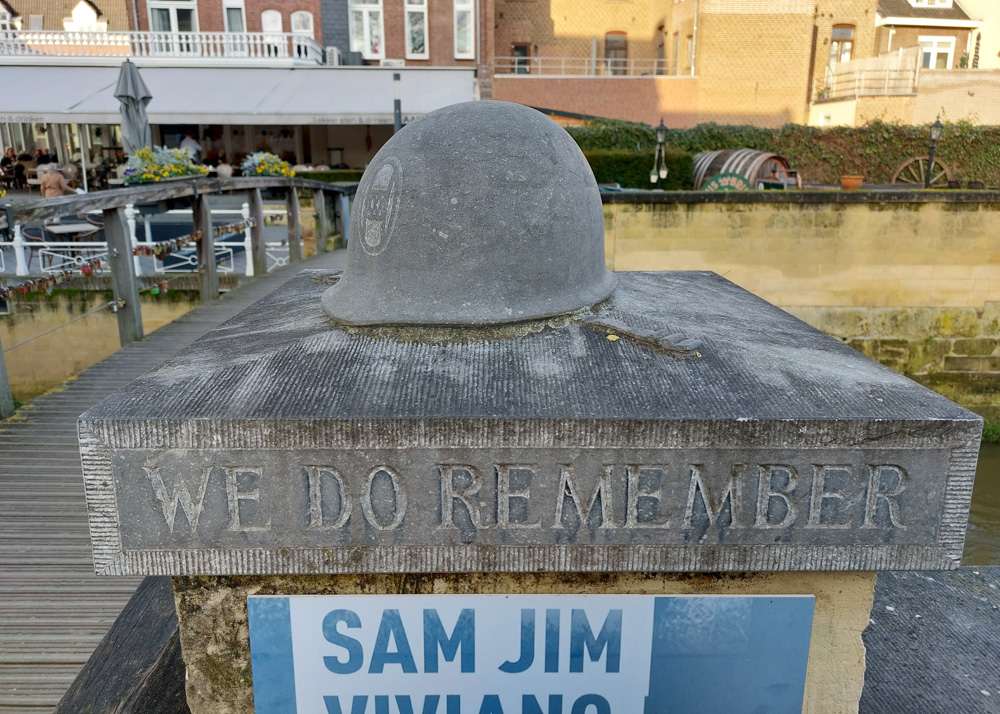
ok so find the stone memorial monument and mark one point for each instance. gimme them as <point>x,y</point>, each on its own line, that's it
<point>478,406</point>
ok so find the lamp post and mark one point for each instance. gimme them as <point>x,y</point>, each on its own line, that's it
<point>659,170</point>
<point>936,128</point>
<point>397,105</point>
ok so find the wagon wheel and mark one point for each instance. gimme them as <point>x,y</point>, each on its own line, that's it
<point>915,170</point>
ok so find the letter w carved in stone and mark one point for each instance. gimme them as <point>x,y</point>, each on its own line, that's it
<point>169,501</point>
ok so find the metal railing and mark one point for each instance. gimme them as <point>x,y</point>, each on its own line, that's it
<point>122,250</point>
<point>583,67</point>
<point>869,83</point>
<point>174,45</point>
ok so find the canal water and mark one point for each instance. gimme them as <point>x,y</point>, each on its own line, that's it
<point>982,543</point>
<point>48,339</point>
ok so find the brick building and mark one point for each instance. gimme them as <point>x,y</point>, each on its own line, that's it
<point>64,15</point>
<point>749,61</point>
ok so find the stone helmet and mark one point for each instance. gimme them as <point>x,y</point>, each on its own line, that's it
<point>476,214</point>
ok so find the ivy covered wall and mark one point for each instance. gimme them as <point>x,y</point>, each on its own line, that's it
<point>821,155</point>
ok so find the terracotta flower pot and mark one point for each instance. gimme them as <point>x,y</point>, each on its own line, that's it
<point>851,182</point>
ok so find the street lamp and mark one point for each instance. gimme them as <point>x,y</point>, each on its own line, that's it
<point>936,128</point>
<point>659,170</point>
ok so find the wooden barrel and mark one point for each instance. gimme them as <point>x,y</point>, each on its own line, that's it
<point>751,164</point>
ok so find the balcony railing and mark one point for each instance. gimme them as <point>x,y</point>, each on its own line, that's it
<point>583,67</point>
<point>869,83</point>
<point>166,45</point>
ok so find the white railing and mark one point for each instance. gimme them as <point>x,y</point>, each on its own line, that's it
<point>181,45</point>
<point>869,83</point>
<point>582,66</point>
<point>81,257</point>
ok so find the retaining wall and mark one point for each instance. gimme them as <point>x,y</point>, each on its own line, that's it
<point>910,279</point>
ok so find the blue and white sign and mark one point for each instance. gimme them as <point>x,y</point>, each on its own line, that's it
<point>528,654</point>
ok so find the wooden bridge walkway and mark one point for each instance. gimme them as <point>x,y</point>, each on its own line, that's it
<point>53,609</point>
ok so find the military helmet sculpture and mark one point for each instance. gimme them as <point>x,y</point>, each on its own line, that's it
<point>476,214</point>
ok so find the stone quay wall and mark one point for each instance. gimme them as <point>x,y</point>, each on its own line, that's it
<point>911,280</point>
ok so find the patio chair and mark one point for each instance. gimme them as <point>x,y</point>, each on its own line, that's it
<point>36,237</point>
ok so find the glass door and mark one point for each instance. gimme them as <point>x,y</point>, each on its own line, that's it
<point>174,26</point>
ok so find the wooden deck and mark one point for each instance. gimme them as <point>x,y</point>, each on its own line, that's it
<point>53,609</point>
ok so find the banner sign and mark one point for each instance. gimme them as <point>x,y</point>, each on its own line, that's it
<point>528,654</point>
<point>727,182</point>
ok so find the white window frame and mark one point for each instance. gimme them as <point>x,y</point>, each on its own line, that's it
<point>175,46</point>
<point>32,22</point>
<point>939,44</point>
<point>367,9</point>
<point>311,32</point>
<point>270,12</point>
<point>6,21</point>
<point>465,6</point>
<point>228,5</point>
<point>416,7</point>
<point>943,4</point>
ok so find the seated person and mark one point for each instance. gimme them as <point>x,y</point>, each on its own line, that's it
<point>41,157</point>
<point>8,159</point>
<point>53,184</point>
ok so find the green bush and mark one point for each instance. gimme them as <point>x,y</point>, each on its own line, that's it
<point>821,155</point>
<point>631,168</point>
<point>331,176</point>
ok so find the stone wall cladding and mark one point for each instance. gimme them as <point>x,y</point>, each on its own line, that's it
<point>955,352</point>
<point>931,312</point>
<point>818,250</point>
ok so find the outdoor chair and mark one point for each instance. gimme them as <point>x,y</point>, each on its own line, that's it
<point>36,237</point>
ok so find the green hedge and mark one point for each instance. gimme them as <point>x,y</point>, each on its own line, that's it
<point>631,168</point>
<point>874,151</point>
<point>331,176</point>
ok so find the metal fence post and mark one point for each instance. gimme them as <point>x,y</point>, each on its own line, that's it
<point>344,208</point>
<point>259,248</point>
<point>21,268</point>
<point>247,239</point>
<point>6,396</point>
<point>322,223</point>
<point>294,225</point>
<point>123,279</point>
<point>206,249</point>
<point>130,214</point>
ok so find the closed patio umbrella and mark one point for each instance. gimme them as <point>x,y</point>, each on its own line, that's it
<point>134,95</point>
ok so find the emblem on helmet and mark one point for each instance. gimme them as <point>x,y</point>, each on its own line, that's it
<point>379,206</point>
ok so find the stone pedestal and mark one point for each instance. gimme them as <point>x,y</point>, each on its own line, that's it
<point>684,436</point>
<point>215,639</point>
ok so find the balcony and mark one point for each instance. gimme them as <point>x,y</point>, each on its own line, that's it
<point>41,47</point>
<point>868,83</point>
<point>583,67</point>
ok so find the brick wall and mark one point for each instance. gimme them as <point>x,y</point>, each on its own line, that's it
<point>971,95</point>
<point>909,37</point>
<point>891,110</point>
<point>210,14</point>
<point>753,68</point>
<point>564,28</point>
<point>641,99</point>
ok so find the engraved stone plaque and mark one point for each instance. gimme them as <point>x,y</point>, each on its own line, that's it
<point>280,443</point>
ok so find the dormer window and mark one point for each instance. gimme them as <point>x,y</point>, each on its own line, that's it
<point>937,4</point>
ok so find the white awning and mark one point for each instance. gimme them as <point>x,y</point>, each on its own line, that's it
<point>232,95</point>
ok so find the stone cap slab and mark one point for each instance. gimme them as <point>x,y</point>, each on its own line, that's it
<point>745,440</point>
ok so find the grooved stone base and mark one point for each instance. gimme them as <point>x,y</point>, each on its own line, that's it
<point>215,636</point>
